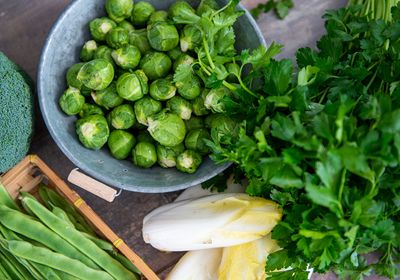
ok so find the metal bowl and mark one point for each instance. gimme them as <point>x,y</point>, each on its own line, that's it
<point>61,50</point>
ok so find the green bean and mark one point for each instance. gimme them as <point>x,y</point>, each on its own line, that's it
<point>62,215</point>
<point>77,239</point>
<point>55,260</point>
<point>66,276</point>
<point>3,273</point>
<point>35,230</point>
<point>102,244</point>
<point>127,263</point>
<point>6,199</point>
<point>46,271</point>
<point>10,267</point>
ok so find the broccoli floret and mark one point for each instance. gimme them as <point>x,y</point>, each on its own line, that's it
<point>16,114</point>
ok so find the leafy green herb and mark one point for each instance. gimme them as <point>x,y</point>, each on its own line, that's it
<point>279,7</point>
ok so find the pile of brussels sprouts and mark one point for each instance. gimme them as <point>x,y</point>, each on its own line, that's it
<point>124,94</point>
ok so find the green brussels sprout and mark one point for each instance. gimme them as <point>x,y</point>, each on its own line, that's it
<point>141,13</point>
<point>199,109</point>
<point>121,143</point>
<point>166,156</point>
<point>104,52</point>
<point>180,107</point>
<point>214,99</point>
<point>99,27</point>
<point>167,129</point>
<point>96,74</point>
<point>108,97</point>
<point>175,53</point>
<point>162,89</point>
<point>155,65</point>
<point>118,10</point>
<point>90,109</point>
<point>194,123</point>
<point>126,25</point>
<point>190,38</point>
<point>189,90</point>
<point>188,161</point>
<point>144,154</point>
<point>122,117</point>
<point>72,74</point>
<point>146,107</point>
<point>88,50</point>
<point>132,86</point>
<point>117,37</point>
<point>207,6</point>
<point>208,120</point>
<point>195,140</point>
<point>92,131</point>
<point>221,127</point>
<point>71,101</point>
<point>138,38</point>
<point>183,59</point>
<point>85,91</point>
<point>157,16</point>
<point>127,57</point>
<point>183,11</point>
<point>162,36</point>
<point>144,136</point>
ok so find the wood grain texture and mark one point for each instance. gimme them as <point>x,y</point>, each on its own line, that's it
<point>24,25</point>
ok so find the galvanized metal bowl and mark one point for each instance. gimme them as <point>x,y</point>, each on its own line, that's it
<point>61,50</point>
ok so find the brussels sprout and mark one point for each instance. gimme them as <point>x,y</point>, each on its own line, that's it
<point>85,91</point>
<point>214,99</point>
<point>104,52</point>
<point>146,107</point>
<point>122,117</point>
<point>157,16</point>
<point>108,97</point>
<point>118,10</point>
<point>96,74</point>
<point>121,143</point>
<point>155,65</point>
<point>132,86</point>
<point>207,6</point>
<point>195,140</point>
<point>189,90</point>
<point>188,161</point>
<point>117,37</point>
<point>127,57</point>
<point>194,123</point>
<point>183,11</point>
<point>166,156</point>
<point>208,120</point>
<point>90,109</point>
<point>71,101</point>
<point>126,25</point>
<point>141,13</point>
<point>222,126</point>
<point>180,107</point>
<point>144,154</point>
<point>167,129</point>
<point>144,136</point>
<point>162,36</point>
<point>99,27</point>
<point>183,59</point>
<point>162,89</point>
<point>138,38</point>
<point>175,53</point>
<point>92,131</point>
<point>190,38</point>
<point>88,50</point>
<point>72,74</point>
<point>199,109</point>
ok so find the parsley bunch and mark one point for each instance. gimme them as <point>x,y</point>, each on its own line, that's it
<point>324,142</point>
<point>279,7</point>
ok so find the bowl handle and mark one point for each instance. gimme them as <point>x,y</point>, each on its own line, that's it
<point>91,185</point>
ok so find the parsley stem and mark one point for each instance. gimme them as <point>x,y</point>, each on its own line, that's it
<point>207,51</point>
<point>229,86</point>
<point>341,187</point>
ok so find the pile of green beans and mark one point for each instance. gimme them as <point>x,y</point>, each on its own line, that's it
<point>53,241</point>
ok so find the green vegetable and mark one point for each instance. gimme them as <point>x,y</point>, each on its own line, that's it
<point>223,129</point>
<point>214,99</point>
<point>90,109</point>
<point>187,83</point>
<point>184,59</point>
<point>104,52</point>
<point>71,101</point>
<point>280,7</point>
<point>108,97</point>
<point>144,136</point>
<point>99,28</point>
<point>146,107</point>
<point>190,38</point>
<point>174,53</point>
<point>182,12</point>
<point>195,140</point>
<point>166,156</point>
<point>180,107</point>
<point>199,109</point>
<point>141,13</point>
<point>118,10</point>
<point>162,89</point>
<point>72,74</point>
<point>117,37</point>
<point>162,36</point>
<point>93,131</point>
<point>138,38</point>
<point>158,16</point>
<point>207,6</point>
<point>121,143</point>
<point>126,25</point>
<point>188,161</point>
<point>127,57</point>
<point>88,50</point>
<point>193,123</point>
<point>167,129</point>
<point>144,155</point>
<point>96,74</point>
<point>122,117</point>
<point>132,86</point>
<point>155,65</point>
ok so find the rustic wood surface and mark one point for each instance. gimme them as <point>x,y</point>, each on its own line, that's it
<point>24,25</point>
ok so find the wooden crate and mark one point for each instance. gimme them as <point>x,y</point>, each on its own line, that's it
<point>31,171</point>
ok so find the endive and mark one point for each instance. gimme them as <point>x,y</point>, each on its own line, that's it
<point>213,221</point>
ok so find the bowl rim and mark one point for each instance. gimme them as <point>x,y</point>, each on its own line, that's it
<point>84,167</point>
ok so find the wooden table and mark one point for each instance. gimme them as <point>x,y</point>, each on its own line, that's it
<point>24,25</point>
